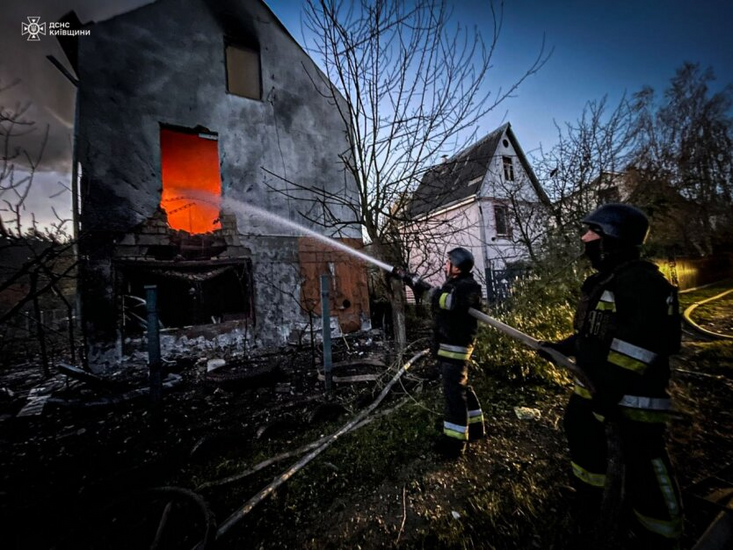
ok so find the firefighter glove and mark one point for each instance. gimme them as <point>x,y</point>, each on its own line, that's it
<point>412,280</point>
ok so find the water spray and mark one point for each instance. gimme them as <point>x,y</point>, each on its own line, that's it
<point>557,357</point>
<point>245,208</point>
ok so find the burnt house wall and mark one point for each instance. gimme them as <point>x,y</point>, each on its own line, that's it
<point>164,65</point>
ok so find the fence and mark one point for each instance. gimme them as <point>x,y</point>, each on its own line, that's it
<point>499,282</point>
<point>693,272</point>
<point>24,323</point>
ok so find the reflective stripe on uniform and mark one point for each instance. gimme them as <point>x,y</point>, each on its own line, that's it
<point>607,302</point>
<point>653,410</point>
<point>635,352</point>
<point>649,403</point>
<point>446,300</point>
<point>476,416</point>
<point>665,484</point>
<point>650,417</point>
<point>455,430</point>
<point>596,480</point>
<point>668,529</point>
<point>582,391</point>
<point>455,352</point>
<point>629,356</point>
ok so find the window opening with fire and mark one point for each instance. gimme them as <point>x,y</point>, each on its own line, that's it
<point>191,180</point>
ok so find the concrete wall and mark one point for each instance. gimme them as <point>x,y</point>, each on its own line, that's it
<point>165,64</point>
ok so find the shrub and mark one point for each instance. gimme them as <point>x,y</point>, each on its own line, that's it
<point>542,306</point>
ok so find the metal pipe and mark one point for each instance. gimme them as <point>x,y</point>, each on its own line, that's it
<point>151,304</point>
<point>326,316</point>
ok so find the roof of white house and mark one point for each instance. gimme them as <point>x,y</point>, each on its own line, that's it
<point>461,176</point>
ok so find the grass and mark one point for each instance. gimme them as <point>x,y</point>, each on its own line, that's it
<point>689,298</point>
<point>506,494</point>
<point>709,313</point>
<point>365,475</point>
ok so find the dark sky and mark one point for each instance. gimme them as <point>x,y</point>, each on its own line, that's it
<point>599,47</point>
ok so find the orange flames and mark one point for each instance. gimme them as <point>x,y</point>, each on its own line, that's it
<point>191,181</point>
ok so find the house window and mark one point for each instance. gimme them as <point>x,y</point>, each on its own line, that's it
<point>501,219</point>
<point>609,195</point>
<point>244,76</point>
<point>191,194</point>
<point>508,168</point>
<point>212,292</point>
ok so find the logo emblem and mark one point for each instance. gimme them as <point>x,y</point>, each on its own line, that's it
<point>33,28</point>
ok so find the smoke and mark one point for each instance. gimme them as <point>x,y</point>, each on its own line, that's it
<point>48,95</point>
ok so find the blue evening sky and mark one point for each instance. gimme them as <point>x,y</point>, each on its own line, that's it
<point>599,47</point>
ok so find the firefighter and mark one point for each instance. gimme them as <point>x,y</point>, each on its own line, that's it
<point>454,331</point>
<point>626,326</point>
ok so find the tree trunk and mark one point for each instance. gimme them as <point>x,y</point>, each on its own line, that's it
<point>39,326</point>
<point>398,314</point>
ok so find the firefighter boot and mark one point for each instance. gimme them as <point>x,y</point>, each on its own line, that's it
<point>476,431</point>
<point>449,447</point>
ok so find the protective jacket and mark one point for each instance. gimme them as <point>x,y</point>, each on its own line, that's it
<point>454,330</point>
<point>626,326</point>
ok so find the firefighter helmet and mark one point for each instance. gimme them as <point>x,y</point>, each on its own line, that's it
<point>622,222</point>
<point>462,259</point>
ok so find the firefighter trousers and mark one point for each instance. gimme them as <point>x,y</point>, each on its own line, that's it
<point>652,496</point>
<point>463,419</point>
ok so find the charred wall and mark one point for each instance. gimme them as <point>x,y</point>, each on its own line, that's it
<point>164,66</point>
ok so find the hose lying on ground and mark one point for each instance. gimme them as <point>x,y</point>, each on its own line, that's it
<point>693,324</point>
<point>264,493</point>
<point>289,454</point>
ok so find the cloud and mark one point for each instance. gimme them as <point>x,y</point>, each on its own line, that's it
<point>49,93</point>
<point>48,201</point>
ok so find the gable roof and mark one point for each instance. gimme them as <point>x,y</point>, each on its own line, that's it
<point>231,15</point>
<point>461,176</point>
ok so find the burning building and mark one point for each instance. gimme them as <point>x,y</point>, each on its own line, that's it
<point>185,108</point>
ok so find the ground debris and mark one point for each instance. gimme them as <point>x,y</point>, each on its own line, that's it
<point>527,413</point>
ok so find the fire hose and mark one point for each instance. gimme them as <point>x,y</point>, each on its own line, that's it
<point>557,357</point>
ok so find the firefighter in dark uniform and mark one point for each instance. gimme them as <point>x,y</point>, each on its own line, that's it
<point>626,326</point>
<point>454,331</point>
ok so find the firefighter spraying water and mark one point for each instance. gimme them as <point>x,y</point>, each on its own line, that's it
<point>411,279</point>
<point>419,287</point>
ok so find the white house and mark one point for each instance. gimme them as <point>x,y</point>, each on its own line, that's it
<point>485,198</point>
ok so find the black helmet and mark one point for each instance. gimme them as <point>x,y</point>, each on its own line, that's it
<point>622,222</point>
<point>462,259</point>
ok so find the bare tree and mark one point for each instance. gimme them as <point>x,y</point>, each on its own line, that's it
<point>17,165</point>
<point>37,265</point>
<point>411,87</point>
<point>685,142</point>
<point>584,167</point>
<point>672,157</point>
